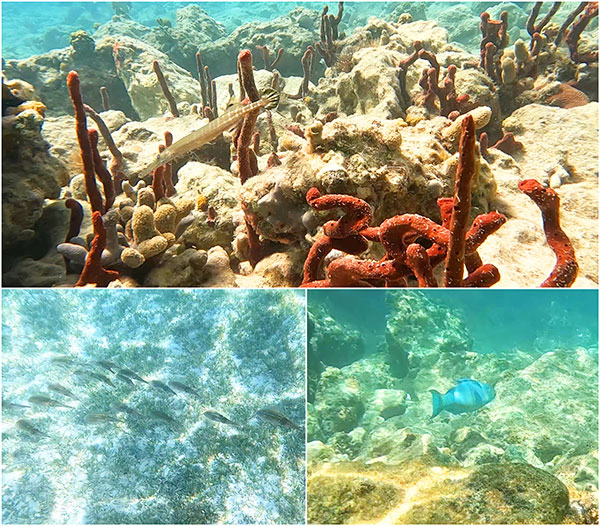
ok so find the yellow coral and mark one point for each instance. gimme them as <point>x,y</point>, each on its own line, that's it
<point>37,106</point>
<point>201,202</point>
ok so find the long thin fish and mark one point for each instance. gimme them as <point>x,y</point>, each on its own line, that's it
<point>211,131</point>
<point>57,388</point>
<point>95,376</point>
<point>178,386</point>
<point>109,366</point>
<point>7,404</point>
<point>157,384</point>
<point>28,427</point>
<point>123,408</point>
<point>124,378</point>
<point>46,400</point>
<point>218,417</point>
<point>131,374</point>
<point>159,415</point>
<point>100,418</point>
<point>275,417</point>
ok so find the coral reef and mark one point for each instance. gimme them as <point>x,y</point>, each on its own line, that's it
<point>371,108</point>
<point>371,417</point>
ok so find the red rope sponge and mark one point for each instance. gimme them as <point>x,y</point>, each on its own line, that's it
<point>547,200</point>
<point>93,272</point>
<point>84,143</point>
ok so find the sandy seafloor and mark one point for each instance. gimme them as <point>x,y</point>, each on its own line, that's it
<point>241,352</point>
<point>375,144</point>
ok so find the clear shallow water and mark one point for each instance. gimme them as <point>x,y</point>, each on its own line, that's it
<point>499,320</point>
<point>30,28</point>
<point>373,404</point>
<point>240,351</point>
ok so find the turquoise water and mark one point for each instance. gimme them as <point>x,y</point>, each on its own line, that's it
<point>238,351</point>
<point>31,28</point>
<point>499,320</point>
<point>531,358</point>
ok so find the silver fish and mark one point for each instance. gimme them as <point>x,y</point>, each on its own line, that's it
<point>47,401</point>
<point>82,373</point>
<point>57,388</point>
<point>218,417</point>
<point>63,360</point>
<point>8,405</point>
<point>275,417</point>
<point>109,366</point>
<point>132,375</point>
<point>178,386</point>
<point>162,386</point>
<point>124,378</point>
<point>123,408</point>
<point>100,418</point>
<point>193,141</point>
<point>28,427</point>
<point>159,415</point>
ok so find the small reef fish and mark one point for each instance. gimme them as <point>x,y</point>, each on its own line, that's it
<point>178,386</point>
<point>109,366</point>
<point>157,384</point>
<point>466,397</point>
<point>8,405</point>
<point>65,361</point>
<point>82,373</point>
<point>123,408</point>
<point>28,427</point>
<point>193,141</point>
<point>100,418</point>
<point>124,378</point>
<point>132,375</point>
<point>57,388</point>
<point>47,401</point>
<point>159,415</point>
<point>275,417</point>
<point>218,417</point>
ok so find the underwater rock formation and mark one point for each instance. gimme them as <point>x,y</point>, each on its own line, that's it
<point>381,124</point>
<point>30,174</point>
<point>375,412</point>
<point>417,493</point>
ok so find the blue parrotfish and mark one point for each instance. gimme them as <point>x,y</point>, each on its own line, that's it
<point>468,396</point>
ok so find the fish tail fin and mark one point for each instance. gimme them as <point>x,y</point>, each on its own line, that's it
<point>271,97</point>
<point>438,402</point>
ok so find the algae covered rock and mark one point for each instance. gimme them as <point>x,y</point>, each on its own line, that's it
<point>338,402</point>
<point>345,500</point>
<point>417,493</point>
<point>218,189</point>
<point>30,174</point>
<point>384,404</point>
<point>394,167</point>
<point>331,341</point>
<point>96,68</point>
<point>292,32</point>
<point>419,331</point>
<point>133,62</point>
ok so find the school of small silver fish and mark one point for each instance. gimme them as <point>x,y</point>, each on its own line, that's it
<point>85,373</point>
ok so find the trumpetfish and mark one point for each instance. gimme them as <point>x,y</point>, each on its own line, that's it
<point>196,139</point>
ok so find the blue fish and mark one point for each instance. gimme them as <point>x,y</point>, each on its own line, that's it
<point>468,396</point>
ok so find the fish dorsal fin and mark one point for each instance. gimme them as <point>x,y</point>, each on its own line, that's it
<point>461,380</point>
